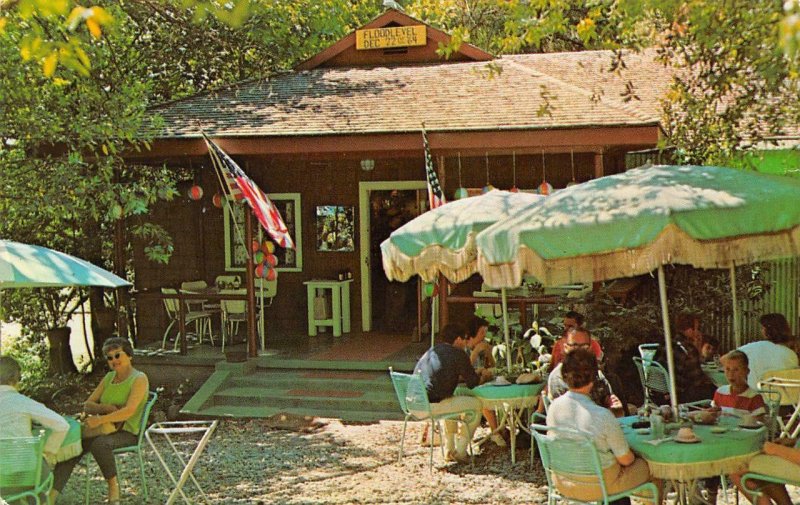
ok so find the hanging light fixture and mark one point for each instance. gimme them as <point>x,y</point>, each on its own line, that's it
<point>545,188</point>
<point>514,188</point>
<point>488,186</point>
<point>461,191</point>
<point>572,164</point>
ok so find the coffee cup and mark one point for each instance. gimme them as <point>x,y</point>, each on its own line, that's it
<point>685,433</point>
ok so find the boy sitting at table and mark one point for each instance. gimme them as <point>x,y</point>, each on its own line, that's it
<point>18,412</point>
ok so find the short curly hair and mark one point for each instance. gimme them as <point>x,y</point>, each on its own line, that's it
<point>9,371</point>
<point>579,368</point>
<point>118,343</point>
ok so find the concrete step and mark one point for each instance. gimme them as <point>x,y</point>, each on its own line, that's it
<point>233,411</point>
<point>322,399</point>
<point>315,380</point>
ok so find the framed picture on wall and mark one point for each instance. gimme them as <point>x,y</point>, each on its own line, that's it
<point>335,228</point>
<point>289,260</point>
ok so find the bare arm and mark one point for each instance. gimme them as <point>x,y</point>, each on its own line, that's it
<point>137,396</point>
<point>93,405</point>
<point>788,453</point>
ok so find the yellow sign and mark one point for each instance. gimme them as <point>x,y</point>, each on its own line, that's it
<point>393,36</point>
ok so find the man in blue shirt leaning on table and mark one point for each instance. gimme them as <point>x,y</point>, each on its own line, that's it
<point>441,368</point>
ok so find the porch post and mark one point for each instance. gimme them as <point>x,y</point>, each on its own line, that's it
<point>252,349</point>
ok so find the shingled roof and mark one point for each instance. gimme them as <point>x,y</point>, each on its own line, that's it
<point>528,92</point>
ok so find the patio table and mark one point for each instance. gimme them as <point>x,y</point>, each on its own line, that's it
<point>512,400</point>
<point>682,464</point>
<point>71,446</point>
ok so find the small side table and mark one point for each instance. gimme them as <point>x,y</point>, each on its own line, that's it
<point>203,429</point>
<point>340,302</point>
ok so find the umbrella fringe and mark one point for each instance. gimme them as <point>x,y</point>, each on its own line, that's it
<point>672,246</point>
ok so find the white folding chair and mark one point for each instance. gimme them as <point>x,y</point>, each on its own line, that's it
<point>200,318</point>
<point>194,287</point>
<point>787,384</point>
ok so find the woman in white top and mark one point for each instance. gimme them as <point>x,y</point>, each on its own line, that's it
<point>773,353</point>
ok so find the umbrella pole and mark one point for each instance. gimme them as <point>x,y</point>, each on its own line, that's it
<point>737,328</point>
<point>662,294</point>
<point>434,314</point>
<point>504,301</point>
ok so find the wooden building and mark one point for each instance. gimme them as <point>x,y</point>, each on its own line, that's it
<point>342,133</point>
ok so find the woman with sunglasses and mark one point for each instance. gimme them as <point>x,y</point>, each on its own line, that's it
<point>117,401</point>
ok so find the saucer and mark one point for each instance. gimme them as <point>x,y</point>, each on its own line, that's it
<point>753,426</point>
<point>643,431</point>
<point>719,429</point>
<point>687,440</point>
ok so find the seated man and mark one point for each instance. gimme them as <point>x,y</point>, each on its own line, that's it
<point>17,412</point>
<point>572,320</point>
<point>691,382</point>
<point>575,409</point>
<point>601,393</point>
<point>441,367</point>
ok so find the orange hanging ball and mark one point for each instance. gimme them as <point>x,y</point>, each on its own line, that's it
<point>255,246</point>
<point>272,274</point>
<point>216,200</point>
<point>271,259</point>
<point>260,270</point>
<point>545,188</point>
<point>195,192</point>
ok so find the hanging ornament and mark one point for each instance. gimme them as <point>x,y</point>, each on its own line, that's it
<point>261,270</point>
<point>272,274</point>
<point>572,164</point>
<point>258,256</point>
<point>217,200</point>
<point>255,245</point>
<point>268,247</point>
<point>461,191</point>
<point>271,260</point>
<point>514,188</point>
<point>488,186</point>
<point>195,192</point>
<point>545,188</point>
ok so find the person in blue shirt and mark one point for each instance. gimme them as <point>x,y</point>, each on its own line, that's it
<point>441,368</point>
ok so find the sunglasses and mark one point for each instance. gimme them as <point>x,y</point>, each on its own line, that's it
<point>581,346</point>
<point>113,356</point>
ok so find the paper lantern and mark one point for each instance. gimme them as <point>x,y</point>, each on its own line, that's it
<point>514,189</point>
<point>195,192</point>
<point>572,183</point>
<point>545,188</point>
<point>258,256</point>
<point>487,188</point>
<point>271,260</point>
<point>272,274</point>
<point>255,246</point>
<point>268,247</point>
<point>460,193</point>
<point>216,200</point>
<point>428,289</point>
<point>260,270</point>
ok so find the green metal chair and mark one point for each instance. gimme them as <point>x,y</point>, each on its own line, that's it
<point>654,377</point>
<point>21,469</point>
<point>413,398</point>
<point>136,449</point>
<point>568,453</point>
<point>754,476</point>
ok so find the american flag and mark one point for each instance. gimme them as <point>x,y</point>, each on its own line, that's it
<point>263,208</point>
<point>435,194</point>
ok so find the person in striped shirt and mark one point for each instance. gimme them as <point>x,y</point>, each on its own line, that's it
<point>737,398</point>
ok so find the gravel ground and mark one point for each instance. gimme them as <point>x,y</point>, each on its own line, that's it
<point>295,461</point>
<point>287,460</point>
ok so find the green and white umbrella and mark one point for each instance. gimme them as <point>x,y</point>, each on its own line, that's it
<point>30,266</point>
<point>443,240</point>
<point>635,222</point>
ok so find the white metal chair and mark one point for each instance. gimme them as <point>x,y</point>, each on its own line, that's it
<point>194,287</point>
<point>413,399</point>
<point>787,384</point>
<point>265,292</point>
<point>571,455</point>
<point>654,378</point>
<point>201,318</point>
<point>234,312</point>
<point>21,469</point>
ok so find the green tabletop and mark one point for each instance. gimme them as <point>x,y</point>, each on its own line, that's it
<point>71,446</point>
<point>715,454</point>
<point>509,392</point>
<point>716,374</point>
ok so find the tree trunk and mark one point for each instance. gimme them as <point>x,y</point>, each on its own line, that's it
<point>60,351</point>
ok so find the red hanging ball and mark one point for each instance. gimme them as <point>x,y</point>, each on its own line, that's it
<point>272,274</point>
<point>271,259</point>
<point>195,192</point>
<point>255,246</point>
<point>216,200</point>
